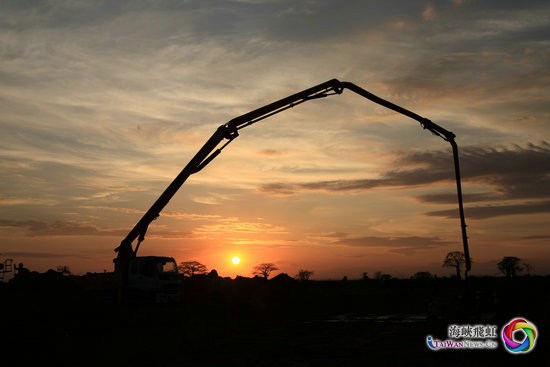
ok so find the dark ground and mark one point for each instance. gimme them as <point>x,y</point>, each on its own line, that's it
<point>247,322</point>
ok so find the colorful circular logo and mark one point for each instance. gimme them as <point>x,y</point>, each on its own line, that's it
<point>519,336</point>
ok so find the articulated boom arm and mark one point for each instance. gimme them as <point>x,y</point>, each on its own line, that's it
<point>229,131</point>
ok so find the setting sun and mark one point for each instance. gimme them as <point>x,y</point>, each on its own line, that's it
<point>236,260</point>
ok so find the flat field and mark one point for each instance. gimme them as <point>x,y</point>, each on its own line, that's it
<point>281,322</point>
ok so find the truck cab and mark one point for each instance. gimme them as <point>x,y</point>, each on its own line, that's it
<point>155,277</point>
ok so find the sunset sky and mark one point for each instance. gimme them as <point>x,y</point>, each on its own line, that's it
<point>103,103</point>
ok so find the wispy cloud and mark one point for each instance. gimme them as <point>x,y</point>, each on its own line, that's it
<point>35,228</point>
<point>491,211</point>
<point>9,201</point>
<point>402,245</point>
<point>62,228</point>
<point>507,174</point>
<point>514,173</point>
<point>236,225</point>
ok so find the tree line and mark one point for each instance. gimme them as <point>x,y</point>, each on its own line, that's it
<point>263,270</point>
<point>510,266</point>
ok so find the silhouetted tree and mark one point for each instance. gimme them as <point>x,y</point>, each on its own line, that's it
<point>510,266</point>
<point>63,269</point>
<point>264,269</point>
<point>213,274</point>
<point>455,259</point>
<point>304,274</point>
<point>190,268</point>
<point>21,271</point>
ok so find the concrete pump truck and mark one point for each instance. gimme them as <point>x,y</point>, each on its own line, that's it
<point>159,273</point>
